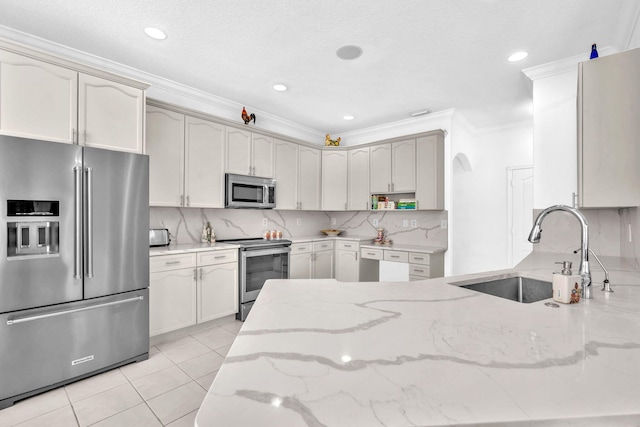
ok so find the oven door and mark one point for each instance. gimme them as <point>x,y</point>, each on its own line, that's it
<point>260,265</point>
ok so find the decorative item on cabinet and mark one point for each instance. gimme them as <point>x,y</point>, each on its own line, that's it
<point>248,117</point>
<point>332,142</point>
<point>594,52</point>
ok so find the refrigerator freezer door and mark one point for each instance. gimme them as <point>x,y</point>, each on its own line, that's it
<point>42,172</point>
<point>116,252</point>
<point>51,346</point>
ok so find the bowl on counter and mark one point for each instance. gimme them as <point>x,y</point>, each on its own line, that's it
<point>331,232</point>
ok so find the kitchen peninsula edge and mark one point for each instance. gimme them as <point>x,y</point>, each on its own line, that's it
<point>325,353</point>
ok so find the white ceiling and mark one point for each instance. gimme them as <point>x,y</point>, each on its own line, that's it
<point>435,54</point>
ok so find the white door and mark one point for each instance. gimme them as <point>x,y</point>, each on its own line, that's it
<point>239,151</point>
<point>262,155</point>
<point>334,180</point>
<point>403,167</point>
<point>204,163</point>
<point>286,174</point>
<point>380,170</point>
<point>358,167</point>
<point>309,170</point>
<point>520,213</point>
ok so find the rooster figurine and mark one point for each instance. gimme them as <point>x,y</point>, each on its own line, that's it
<point>248,117</point>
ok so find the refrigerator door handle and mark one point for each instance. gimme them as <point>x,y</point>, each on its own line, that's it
<point>76,310</point>
<point>77,265</point>
<point>88,248</point>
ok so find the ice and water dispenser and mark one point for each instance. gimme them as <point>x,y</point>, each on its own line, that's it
<point>32,233</point>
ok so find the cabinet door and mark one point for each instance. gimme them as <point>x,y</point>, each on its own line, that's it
<point>238,151</point>
<point>309,178</point>
<point>347,266</point>
<point>609,131</point>
<point>217,291</point>
<point>403,167</point>
<point>110,114</point>
<point>286,174</point>
<point>301,266</point>
<point>334,180</point>
<point>430,172</point>
<point>380,172</point>
<point>323,265</point>
<point>262,155</point>
<point>204,163</point>
<point>165,147</point>
<point>37,100</point>
<point>359,197</point>
<point>172,300</point>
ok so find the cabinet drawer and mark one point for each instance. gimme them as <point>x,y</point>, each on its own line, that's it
<point>217,257</point>
<point>419,270</point>
<point>371,253</point>
<point>171,262</point>
<point>349,246</point>
<point>397,256</point>
<point>419,258</point>
<point>301,248</point>
<point>322,246</point>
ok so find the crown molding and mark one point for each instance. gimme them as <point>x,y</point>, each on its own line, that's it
<point>167,90</point>
<point>414,125</point>
<point>563,65</point>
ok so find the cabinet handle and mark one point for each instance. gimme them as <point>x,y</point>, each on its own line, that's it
<point>172,262</point>
<point>181,199</point>
<point>74,135</point>
<point>418,258</point>
<point>356,256</point>
<point>388,187</point>
<point>370,253</point>
<point>394,256</point>
<point>418,270</point>
<point>393,186</point>
<point>187,200</point>
<point>195,274</point>
<point>347,246</point>
<point>219,257</point>
<point>201,274</point>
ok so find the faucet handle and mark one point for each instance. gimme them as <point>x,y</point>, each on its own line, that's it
<point>606,286</point>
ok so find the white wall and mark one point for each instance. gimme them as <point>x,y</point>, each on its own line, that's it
<point>479,195</point>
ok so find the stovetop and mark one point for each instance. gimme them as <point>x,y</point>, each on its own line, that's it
<point>257,241</point>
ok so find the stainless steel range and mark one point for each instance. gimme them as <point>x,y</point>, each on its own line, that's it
<point>259,260</point>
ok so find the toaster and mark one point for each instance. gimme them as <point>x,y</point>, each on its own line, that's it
<point>159,237</point>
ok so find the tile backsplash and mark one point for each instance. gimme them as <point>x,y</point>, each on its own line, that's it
<point>406,227</point>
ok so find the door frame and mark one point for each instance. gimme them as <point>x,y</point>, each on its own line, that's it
<point>510,170</point>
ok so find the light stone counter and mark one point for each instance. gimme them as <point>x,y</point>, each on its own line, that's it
<point>408,248</point>
<point>189,247</point>
<point>324,353</point>
<point>305,239</point>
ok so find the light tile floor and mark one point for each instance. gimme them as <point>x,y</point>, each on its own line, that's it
<point>165,390</point>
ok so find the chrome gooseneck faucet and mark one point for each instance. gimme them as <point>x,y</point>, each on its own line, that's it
<point>585,272</point>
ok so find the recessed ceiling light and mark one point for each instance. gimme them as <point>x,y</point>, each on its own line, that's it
<point>155,33</point>
<point>518,56</point>
<point>348,117</point>
<point>279,87</point>
<point>349,52</point>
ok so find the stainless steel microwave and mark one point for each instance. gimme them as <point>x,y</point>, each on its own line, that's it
<point>242,191</point>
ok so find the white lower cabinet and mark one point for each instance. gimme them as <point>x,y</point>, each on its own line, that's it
<point>311,260</point>
<point>192,288</point>
<point>350,267</point>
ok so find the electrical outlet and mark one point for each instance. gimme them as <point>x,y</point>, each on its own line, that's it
<point>444,224</point>
<point>375,222</point>
<point>414,222</point>
<point>405,223</point>
<point>333,221</point>
<point>264,222</point>
<point>298,221</point>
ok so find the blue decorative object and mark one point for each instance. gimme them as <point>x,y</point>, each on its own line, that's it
<point>594,52</point>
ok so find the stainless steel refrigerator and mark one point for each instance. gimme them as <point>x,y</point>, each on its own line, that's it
<point>74,263</point>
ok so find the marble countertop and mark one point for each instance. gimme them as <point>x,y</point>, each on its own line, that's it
<point>326,353</point>
<point>316,238</point>
<point>189,247</point>
<point>409,248</point>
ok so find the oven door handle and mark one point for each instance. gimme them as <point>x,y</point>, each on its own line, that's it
<point>266,251</point>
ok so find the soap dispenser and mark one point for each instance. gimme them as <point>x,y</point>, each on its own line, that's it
<point>566,286</point>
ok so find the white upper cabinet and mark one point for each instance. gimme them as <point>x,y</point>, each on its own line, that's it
<point>204,163</point>
<point>262,155</point>
<point>359,197</point>
<point>286,174</point>
<point>165,147</point>
<point>430,172</point>
<point>393,167</point>
<point>309,178</point>
<point>186,160</point>
<point>609,131</point>
<point>249,154</point>
<point>334,180</point>
<point>110,115</point>
<point>380,168</point>
<point>38,100</point>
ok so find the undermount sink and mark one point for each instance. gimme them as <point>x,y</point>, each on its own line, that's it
<point>520,289</point>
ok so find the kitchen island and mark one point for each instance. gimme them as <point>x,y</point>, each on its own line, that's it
<point>325,353</point>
